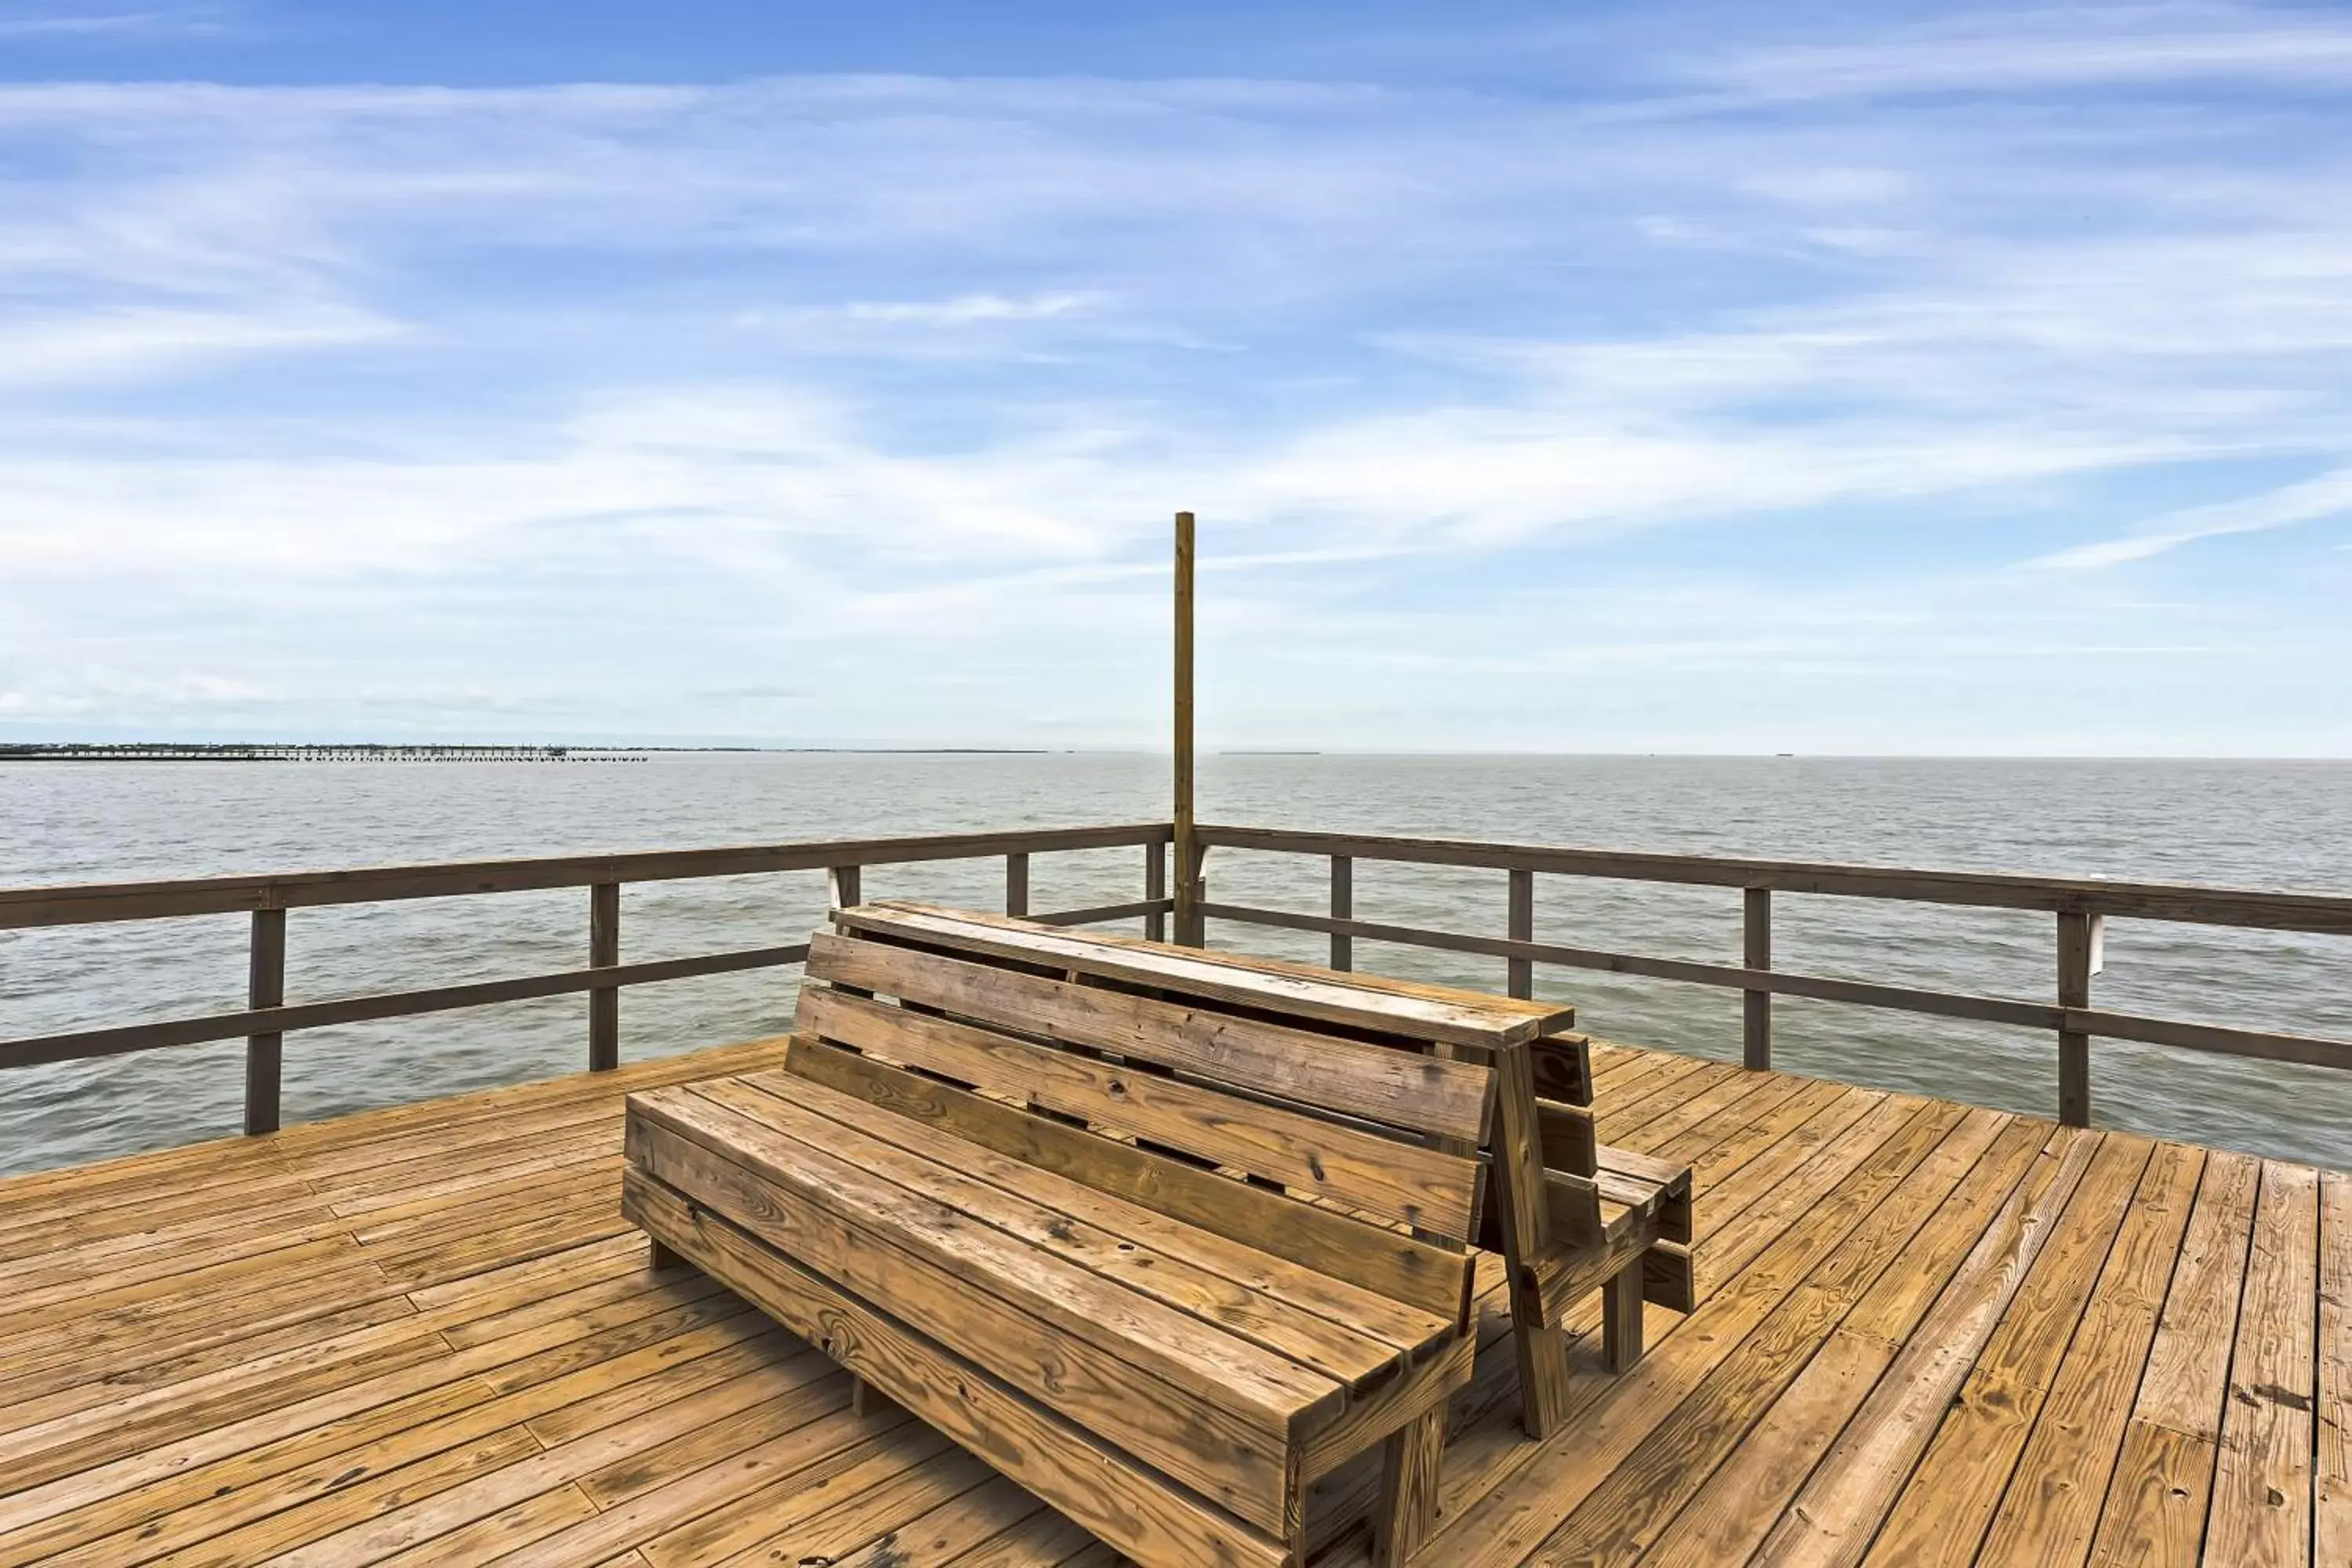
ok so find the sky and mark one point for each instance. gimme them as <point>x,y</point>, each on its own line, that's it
<point>1713,378</point>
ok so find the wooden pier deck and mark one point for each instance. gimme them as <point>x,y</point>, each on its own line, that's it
<point>1928,1334</point>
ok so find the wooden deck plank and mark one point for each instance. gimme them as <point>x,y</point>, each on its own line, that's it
<point>2157,1500</point>
<point>1510,1521</point>
<point>877,1449</point>
<point>1625,1514</point>
<point>1942,1513</point>
<point>2052,1507</point>
<point>2332,1501</point>
<point>2262,1476</point>
<point>1840,1508</point>
<point>1728,1103</point>
<point>479,1364</point>
<point>1729,1515</point>
<point>807,1453</point>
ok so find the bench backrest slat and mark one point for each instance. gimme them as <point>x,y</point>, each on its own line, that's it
<point>1423,1187</point>
<point>1422,1014</point>
<point>1389,1262</point>
<point>1417,1093</point>
<point>1374,988</point>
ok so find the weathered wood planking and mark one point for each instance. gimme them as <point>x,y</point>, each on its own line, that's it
<point>1424,1187</point>
<point>1464,1017</point>
<point>1429,1094</point>
<point>1230,1398</point>
<point>470,1369</point>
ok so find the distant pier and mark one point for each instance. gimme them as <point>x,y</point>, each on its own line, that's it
<point>356,751</point>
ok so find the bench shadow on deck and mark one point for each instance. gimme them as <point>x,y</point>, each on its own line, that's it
<point>1926,1333</point>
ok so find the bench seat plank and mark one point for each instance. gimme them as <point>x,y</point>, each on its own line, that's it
<point>1081,1475</point>
<point>1471,1020</point>
<point>816,1114</point>
<point>1231,1266</point>
<point>1430,1094</point>
<point>860,1184</point>
<point>1426,1187</point>
<point>1221,1442</point>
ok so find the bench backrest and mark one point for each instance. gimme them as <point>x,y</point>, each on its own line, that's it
<point>1342,1154</point>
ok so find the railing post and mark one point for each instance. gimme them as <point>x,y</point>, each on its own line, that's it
<point>265,987</point>
<point>842,889</point>
<point>1016,884</point>
<point>2078,959</point>
<point>1520,973</point>
<point>1191,891</point>
<point>604,952</point>
<point>1756,1006</point>
<point>1155,886</point>
<point>1188,845</point>
<point>1343,908</point>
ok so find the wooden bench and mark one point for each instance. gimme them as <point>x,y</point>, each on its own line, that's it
<point>1163,1266</point>
<point>1571,1217</point>
<point>1634,1209</point>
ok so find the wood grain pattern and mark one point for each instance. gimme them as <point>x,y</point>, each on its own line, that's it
<point>2263,1475</point>
<point>1170,1246</point>
<point>1427,1094</point>
<point>1091,1483</point>
<point>1423,1187</point>
<point>1464,1018</point>
<point>1391,1263</point>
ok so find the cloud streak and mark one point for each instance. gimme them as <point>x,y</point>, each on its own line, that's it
<point>180,22</point>
<point>2328,496</point>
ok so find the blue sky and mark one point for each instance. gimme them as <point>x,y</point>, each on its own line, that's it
<point>1862,379</point>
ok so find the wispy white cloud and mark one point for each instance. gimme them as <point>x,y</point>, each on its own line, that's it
<point>171,23</point>
<point>2328,496</point>
<point>2062,47</point>
<point>143,343</point>
<point>966,310</point>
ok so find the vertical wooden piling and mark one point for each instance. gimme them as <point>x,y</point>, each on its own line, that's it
<point>844,887</point>
<point>1188,848</point>
<point>1016,884</point>
<point>604,952</point>
<point>265,987</point>
<point>1756,1006</point>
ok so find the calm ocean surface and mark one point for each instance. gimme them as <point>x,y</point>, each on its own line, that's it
<point>2269,824</point>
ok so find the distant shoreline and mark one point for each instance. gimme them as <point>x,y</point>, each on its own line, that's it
<point>397,752</point>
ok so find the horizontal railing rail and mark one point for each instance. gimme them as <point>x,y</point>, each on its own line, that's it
<point>89,904</point>
<point>2080,906</point>
<point>268,1018</point>
<point>2327,914</point>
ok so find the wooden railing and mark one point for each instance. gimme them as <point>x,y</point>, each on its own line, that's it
<point>266,1018</point>
<point>2080,907</point>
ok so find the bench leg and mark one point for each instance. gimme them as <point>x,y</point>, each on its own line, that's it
<point>865,1399</point>
<point>1408,1504</point>
<point>1620,1318</point>
<point>660,1256</point>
